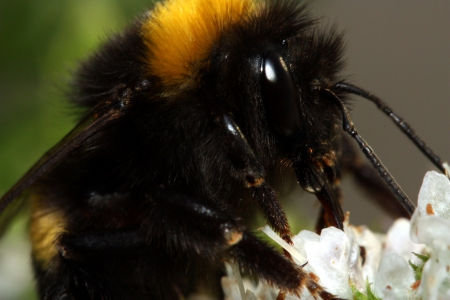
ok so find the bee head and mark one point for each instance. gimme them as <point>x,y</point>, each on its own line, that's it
<point>261,62</point>
<point>267,70</point>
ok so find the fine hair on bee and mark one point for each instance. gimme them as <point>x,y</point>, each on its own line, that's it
<point>190,115</point>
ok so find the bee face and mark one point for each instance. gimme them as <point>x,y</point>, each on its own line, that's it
<point>233,78</point>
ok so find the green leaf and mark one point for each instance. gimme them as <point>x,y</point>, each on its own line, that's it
<point>419,268</point>
<point>370,294</point>
<point>424,258</point>
<point>357,295</point>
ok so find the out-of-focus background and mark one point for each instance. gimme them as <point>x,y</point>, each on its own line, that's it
<point>41,42</point>
<point>398,50</point>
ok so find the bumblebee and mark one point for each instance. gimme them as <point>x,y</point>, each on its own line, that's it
<point>190,114</point>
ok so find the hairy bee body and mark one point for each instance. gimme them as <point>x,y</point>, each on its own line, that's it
<point>190,114</point>
<point>116,218</point>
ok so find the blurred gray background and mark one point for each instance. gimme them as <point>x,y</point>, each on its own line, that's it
<point>398,50</point>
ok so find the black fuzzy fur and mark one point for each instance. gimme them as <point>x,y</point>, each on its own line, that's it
<point>164,169</point>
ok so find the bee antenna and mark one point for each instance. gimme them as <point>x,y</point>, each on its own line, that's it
<point>405,127</point>
<point>370,154</point>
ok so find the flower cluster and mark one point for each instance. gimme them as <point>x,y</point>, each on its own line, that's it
<point>412,261</point>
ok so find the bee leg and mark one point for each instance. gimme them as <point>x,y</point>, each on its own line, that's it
<point>249,170</point>
<point>369,179</point>
<point>189,225</point>
<point>321,222</point>
<point>184,224</point>
<point>259,258</point>
<point>78,247</point>
<point>212,233</point>
<point>323,181</point>
<point>273,212</point>
<point>331,212</point>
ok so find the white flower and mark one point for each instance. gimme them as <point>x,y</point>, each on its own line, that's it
<point>333,256</point>
<point>430,224</point>
<point>348,259</point>
<point>394,278</point>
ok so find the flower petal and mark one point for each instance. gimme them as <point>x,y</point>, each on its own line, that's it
<point>394,278</point>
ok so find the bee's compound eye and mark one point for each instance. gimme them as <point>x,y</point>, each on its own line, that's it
<point>280,94</point>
